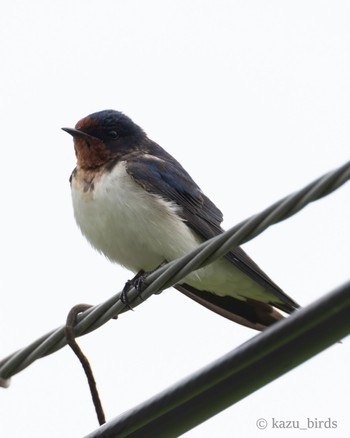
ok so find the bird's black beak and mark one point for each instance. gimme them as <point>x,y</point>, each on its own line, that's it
<point>77,133</point>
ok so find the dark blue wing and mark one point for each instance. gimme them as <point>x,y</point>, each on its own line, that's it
<point>159,173</point>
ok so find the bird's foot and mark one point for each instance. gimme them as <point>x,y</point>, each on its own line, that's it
<point>138,282</point>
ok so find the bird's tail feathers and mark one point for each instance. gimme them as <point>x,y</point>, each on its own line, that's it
<point>250,313</point>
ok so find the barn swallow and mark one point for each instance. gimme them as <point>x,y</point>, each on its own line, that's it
<point>139,207</point>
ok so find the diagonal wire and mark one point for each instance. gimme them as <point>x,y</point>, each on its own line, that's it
<point>206,392</point>
<point>174,271</point>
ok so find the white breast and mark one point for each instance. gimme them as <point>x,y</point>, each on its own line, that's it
<point>127,224</point>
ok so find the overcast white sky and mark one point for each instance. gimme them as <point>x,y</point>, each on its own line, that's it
<point>253,98</point>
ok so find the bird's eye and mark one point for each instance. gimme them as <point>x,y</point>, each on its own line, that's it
<point>112,134</point>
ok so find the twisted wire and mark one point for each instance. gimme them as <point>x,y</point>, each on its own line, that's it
<point>171,273</point>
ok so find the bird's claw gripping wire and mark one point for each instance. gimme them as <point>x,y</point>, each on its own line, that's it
<point>138,282</point>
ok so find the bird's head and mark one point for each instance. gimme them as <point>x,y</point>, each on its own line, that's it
<point>103,136</point>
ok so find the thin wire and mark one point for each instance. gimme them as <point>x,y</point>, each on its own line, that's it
<point>174,271</point>
<point>84,361</point>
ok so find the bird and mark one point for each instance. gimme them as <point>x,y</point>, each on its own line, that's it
<point>139,207</point>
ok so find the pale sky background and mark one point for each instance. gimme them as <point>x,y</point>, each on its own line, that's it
<point>253,98</point>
